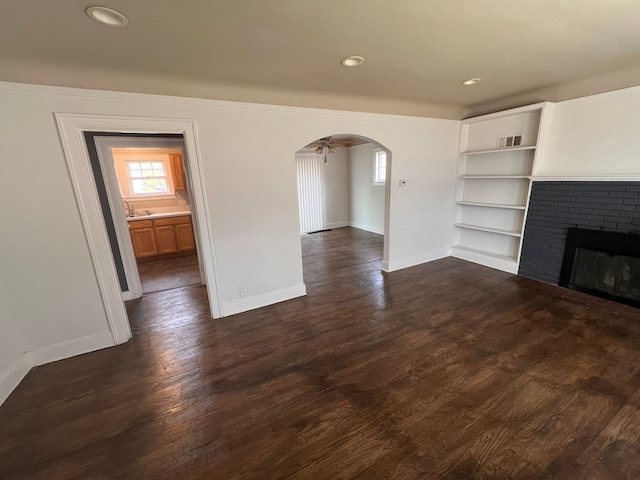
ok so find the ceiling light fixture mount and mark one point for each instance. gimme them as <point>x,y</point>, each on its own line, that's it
<point>472,81</point>
<point>106,16</point>
<point>352,61</point>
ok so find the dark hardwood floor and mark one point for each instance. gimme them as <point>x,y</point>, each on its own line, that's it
<point>444,370</point>
<point>169,273</point>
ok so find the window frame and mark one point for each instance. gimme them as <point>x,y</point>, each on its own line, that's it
<point>377,154</point>
<point>126,185</point>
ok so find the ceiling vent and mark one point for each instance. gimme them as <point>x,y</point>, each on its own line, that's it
<point>509,141</point>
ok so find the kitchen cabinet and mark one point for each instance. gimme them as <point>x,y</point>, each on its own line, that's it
<point>165,239</point>
<point>177,171</point>
<point>184,237</point>
<point>162,236</point>
<point>143,238</point>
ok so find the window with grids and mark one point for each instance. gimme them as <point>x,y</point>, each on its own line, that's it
<point>380,167</point>
<point>148,178</point>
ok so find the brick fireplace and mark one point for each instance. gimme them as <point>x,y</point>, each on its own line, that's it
<point>556,207</point>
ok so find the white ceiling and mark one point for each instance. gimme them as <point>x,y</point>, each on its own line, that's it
<point>337,141</point>
<point>288,51</point>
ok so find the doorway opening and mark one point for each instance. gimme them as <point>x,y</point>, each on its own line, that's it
<point>343,184</point>
<point>143,188</point>
<point>85,185</point>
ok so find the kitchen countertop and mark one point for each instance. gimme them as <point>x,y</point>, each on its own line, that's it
<point>144,216</point>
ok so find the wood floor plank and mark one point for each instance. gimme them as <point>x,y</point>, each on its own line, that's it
<point>445,370</point>
<point>168,273</point>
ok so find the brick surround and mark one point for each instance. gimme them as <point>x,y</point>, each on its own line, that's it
<point>556,206</point>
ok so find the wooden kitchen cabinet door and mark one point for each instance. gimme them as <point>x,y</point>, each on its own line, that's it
<point>166,239</point>
<point>184,237</point>
<point>144,242</point>
<point>177,170</point>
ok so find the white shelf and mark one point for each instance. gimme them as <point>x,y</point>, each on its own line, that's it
<point>493,177</point>
<point>491,205</point>
<point>499,231</point>
<point>492,189</point>
<point>499,150</point>
<point>488,259</point>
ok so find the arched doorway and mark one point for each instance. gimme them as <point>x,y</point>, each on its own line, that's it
<point>343,187</point>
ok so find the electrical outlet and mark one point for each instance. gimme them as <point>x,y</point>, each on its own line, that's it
<point>243,291</point>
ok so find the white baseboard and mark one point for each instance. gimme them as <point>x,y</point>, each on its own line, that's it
<point>499,262</point>
<point>416,260</point>
<point>10,379</point>
<point>368,228</point>
<point>338,224</point>
<point>251,303</point>
<point>71,348</point>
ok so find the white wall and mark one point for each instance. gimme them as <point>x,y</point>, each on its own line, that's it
<point>367,199</point>
<point>336,189</point>
<point>53,292</point>
<point>594,136</point>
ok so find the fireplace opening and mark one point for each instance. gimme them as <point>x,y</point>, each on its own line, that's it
<point>606,264</point>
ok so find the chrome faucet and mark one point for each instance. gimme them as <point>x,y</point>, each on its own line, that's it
<point>129,210</point>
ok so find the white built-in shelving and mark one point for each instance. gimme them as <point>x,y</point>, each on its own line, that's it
<point>485,177</point>
<point>501,231</point>
<point>493,184</point>
<point>492,205</point>
<point>496,150</point>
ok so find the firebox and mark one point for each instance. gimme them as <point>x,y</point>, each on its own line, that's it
<point>606,264</point>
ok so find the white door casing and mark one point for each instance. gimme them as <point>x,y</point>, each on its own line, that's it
<point>71,128</point>
<point>103,147</point>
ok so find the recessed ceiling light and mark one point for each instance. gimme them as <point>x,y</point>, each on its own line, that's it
<point>472,81</point>
<point>352,61</point>
<point>107,16</point>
